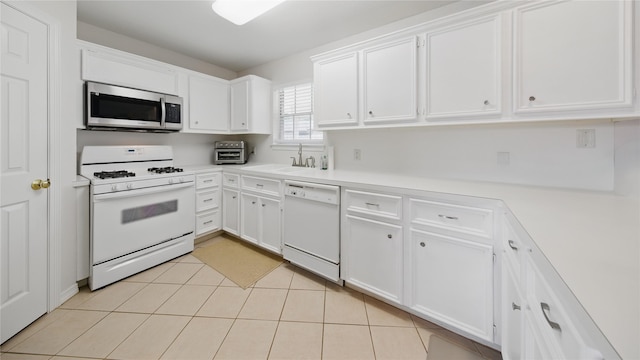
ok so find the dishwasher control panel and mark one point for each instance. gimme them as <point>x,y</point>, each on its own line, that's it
<point>315,192</point>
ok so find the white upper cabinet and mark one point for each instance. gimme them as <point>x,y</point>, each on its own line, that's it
<point>336,90</point>
<point>573,55</point>
<point>208,101</point>
<point>390,81</point>
<point>463,69</point>
<point>127,70</point>
<point>251,105</point>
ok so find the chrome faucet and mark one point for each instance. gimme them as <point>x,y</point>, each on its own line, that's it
<point>306,162</point>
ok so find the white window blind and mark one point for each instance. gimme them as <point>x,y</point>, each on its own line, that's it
<point>296,115</point>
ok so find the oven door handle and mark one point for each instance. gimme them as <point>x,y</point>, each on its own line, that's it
<point>140,192</point>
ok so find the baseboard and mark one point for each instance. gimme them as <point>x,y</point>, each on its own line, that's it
<point>68,293</point>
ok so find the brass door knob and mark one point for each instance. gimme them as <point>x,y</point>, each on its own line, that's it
<point>40,184</point>
<point>36,184</point>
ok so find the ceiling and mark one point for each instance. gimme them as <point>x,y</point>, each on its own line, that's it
<point>193,29</point>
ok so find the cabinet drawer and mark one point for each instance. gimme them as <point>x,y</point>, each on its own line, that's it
<point>208,221</point>
<point>262,185</point>
<point>552,320</point>
<point>204,181</point>
<point>470,220</point>
<point>209,199</point>
<point>230,180</point>
<point>382,205</point>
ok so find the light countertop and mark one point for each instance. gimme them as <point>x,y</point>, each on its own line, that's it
<point>591,238</point>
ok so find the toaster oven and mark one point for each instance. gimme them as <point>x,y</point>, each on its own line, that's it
<point>230,152</point>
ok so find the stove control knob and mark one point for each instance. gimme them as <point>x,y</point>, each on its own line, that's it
<point>129,186</point>
<point>170,181</point>
<point>181,179</point>
<point>114,187</point>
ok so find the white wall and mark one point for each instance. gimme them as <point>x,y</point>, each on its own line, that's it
<point>540,154</point>
<point>121,42</point>
<point>188,149</point>
<point>627,158</point>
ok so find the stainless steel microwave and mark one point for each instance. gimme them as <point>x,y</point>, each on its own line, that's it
<point>116,107</point>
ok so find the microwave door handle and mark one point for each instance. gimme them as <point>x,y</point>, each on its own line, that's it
<point>163,112</point>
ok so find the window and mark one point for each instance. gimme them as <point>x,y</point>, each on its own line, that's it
<point>296,115</point>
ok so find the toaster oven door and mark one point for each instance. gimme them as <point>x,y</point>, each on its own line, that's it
<point>230,156</point>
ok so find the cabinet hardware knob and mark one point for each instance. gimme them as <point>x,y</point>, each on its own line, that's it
<point>263,205</point>
<point>372,204</point>
<point>349,115</point>
<point>511,245</point>
<point>515,306</point>
<point>423,244</point>
<point>233,197</point>
<point>545,307</point>
<point>486,102</point>
<point>448,217</point>
<point>370,113</point>
<point>532,98</point>
<point>253,203</point>
<point>389,236</point>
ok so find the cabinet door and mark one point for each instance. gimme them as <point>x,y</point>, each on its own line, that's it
<point>250,218</point>
<point>336,91</point>
<point>563,61</point>
<point>374,256</point>
<point>390,81</point>
<point>208,104</point>
<point>464,80</point>
<point>512,315</point>
<point>240,106</point>
<point>271,226</point>
<point>231,211</point>
<point>452,281</point>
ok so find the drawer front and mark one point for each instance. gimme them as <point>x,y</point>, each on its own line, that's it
<point>209,199</point>
<point>551,318</point>
<point>231,180</point>
<point>262,185</point>
<point>208,221</point>
<point>376,204</point>
<point>465,219</point>
<point>204,181</point>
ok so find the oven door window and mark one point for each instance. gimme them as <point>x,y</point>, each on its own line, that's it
<point>148,211</point>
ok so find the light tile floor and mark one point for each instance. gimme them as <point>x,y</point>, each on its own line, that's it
<point>183,309</point>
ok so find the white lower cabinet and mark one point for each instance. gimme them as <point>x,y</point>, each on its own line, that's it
<point>513,314</point>
<point>452,281</point>
<point>374,256</point>
<point>231,210</point>
<point>208,196</point>
<point>260,221</point>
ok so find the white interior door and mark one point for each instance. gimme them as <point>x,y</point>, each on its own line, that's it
<point>23,159</point>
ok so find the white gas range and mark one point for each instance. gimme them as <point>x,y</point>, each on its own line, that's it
<point>142,209</point>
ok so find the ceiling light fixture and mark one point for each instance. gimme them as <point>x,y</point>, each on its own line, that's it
<point>241,12</point>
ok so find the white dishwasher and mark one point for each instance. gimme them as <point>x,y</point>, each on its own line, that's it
<point>312,227</point>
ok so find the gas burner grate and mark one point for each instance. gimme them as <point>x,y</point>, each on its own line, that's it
<point>113,174</point>
<point>164,170</point>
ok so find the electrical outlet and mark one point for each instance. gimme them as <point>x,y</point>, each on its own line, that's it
<point>357,154</point>
<point>586,138</point>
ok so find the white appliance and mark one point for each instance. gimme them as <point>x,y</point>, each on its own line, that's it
<point>142,209</point>
<point>111,107</point>
<point>312,227</point>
